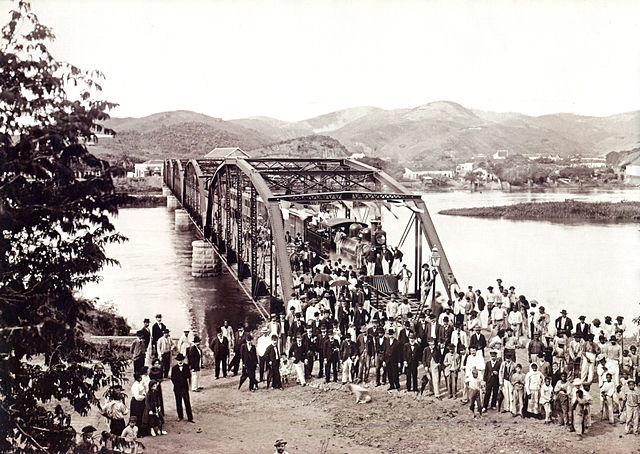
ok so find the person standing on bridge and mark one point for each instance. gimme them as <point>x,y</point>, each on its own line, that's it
<point>404,276</point>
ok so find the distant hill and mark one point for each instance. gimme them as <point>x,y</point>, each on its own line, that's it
<point>448,129</point>
<point>436,133</point>
<point>181,134</point>
<point>313,146</point>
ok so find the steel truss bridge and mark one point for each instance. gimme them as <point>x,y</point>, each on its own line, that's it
<point>239,205</point>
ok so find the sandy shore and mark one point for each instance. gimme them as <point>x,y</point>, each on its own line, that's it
<point>323,418</point>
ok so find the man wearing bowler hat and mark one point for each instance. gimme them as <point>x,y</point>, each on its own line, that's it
<point>564,325</point>
<point>181,379</point>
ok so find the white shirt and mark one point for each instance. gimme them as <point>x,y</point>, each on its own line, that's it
<point>295,303</point>
<point>263,343</point>
<point>138,391</point>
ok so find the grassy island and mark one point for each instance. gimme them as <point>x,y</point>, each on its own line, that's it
<point>569,210</point>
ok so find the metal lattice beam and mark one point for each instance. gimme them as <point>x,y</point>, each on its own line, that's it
<point>345,195</point>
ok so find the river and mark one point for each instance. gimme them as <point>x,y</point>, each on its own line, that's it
<point>590,269</point>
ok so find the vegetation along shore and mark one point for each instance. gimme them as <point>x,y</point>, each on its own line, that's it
<point>569,210</point>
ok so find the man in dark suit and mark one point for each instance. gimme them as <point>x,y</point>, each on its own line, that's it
<point>331,349</point>
<point>146,333</point>
<point>412,356</point>
<point>220,348</point>
<point>297,327</point>
<point>249,359</point>
<point>380,345</point>
<point>157,331</point>
<point>443,336</point>
<point>272,355</point>
<point>582,328</point>
<point>564,325</point>
<point>194,359</point>
<point>321,340</point>
<point>423,330</point>
<point>310,342</point>
<point>492,380</point>
<point>392,356</point>
<point>478,340</point>
<point>181,378</point>
<point>240,339</point>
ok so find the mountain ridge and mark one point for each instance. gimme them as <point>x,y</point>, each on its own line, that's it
<point>434,130</point>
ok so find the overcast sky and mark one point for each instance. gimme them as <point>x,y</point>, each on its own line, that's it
<point>294,59</point>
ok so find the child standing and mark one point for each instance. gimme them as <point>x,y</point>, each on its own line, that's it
<point>607,390</point>
<point>561,391</point>
<point>475,390</point>
<point>517,381</point>
<point>546,392</point>
<point>130,435</point>
<point>532,383</point>
<point>630,402</point>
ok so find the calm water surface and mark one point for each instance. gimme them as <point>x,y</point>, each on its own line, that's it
<point>591,269</point>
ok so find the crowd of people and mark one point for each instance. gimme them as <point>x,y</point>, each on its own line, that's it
<point>493,350</point>
<point>461,348</point>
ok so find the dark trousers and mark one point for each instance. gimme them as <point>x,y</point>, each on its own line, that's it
<point>263,363</point>
<point>492,391</point>
<point>221,361</point>
<point>183,396</point>
<point>321,368</point>
<point>380,370</point>
<point>234,365</point>
<point>308,368</point>
<point>394,375</point>
<point>117,426</point>
<point>138,364</point>
<point>412,378</point>
<point>332,363</point>
<point>273,377</point>
<point>166,363</point>
<point>249,373</point>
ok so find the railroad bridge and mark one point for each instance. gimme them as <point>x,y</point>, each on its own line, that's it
<point>245,209</point>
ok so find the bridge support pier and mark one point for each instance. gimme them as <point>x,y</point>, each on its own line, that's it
<point>172,202</point>
<point>182,219</point>
<point>204,260</point>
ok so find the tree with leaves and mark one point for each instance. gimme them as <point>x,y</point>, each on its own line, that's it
<point>55,226</point>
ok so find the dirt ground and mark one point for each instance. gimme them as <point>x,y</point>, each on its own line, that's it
<point>323,418</point>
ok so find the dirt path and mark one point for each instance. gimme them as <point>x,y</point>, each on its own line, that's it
<point>325,417</point>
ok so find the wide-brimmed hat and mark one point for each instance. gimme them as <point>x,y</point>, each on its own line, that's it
<point>280,442</point>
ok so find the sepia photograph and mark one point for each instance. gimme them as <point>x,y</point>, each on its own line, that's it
<point>320,226</point>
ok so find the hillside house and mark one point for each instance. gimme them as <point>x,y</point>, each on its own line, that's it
<point>632,171</point>
<point>464,168</point>
<point>224,153</point>
<point>501,154</point>
<point>153,167</point>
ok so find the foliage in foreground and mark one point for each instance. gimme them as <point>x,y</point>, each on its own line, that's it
<point>55,227</point>
<point>569,210</point>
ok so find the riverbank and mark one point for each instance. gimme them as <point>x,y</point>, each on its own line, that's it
<point>145,200</point>
<point>569,210</point>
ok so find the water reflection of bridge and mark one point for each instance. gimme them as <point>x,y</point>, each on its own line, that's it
<point>244,206</point>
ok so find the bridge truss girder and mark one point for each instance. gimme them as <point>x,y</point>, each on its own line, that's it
<point>234,189</point>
